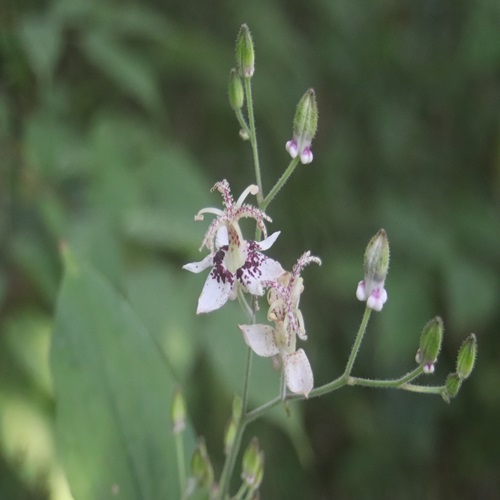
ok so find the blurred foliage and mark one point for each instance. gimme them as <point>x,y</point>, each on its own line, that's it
<point>114,124</point>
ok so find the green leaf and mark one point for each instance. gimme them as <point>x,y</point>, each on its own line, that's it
<point>128,71</point>
<point>42,40</point>
<point>113,390</point>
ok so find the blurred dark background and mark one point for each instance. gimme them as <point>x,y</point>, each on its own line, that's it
<point>114,124</point>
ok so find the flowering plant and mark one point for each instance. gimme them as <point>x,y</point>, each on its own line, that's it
<point>238,269</point>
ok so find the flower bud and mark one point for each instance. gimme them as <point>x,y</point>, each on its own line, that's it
<point>305,126</point>
<point>467,357</point>
<point>430,344</point>
<point>245,56</point>
<point>376,266</point>
<point>201,466</point>
<point>451,387</point>
<point>230,435</point>
<point>237,407</point>
<point>235,90</point>
<point>253,461</point>
<point>178,412</point>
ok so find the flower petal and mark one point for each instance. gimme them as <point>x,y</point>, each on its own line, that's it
<point>221,238</point>
<point>215,294</point>
<point>361,291</point>
<point>266,269</point>
<point>298,373</point>
<point>260,338</point>
<point>268,242</point>
<point>198,267</point>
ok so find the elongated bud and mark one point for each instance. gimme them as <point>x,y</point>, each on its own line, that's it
<point>201,467</point>
<point>178,412</point>
<point>235,90</point>
<point>230,435</point>
<point>430,344</point>
<point>305,126</point>
<point>451,387</point>
<point>376,261</point>
<point>467,357</point>
<point>376,266</point>
<point>253,460</point>
<point>245,56</point>
<point>237,407</point>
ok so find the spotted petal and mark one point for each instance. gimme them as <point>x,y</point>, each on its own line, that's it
<point>215,293</point>
<point>198,267</point>
<point>260,338</point>
<point>298,373</point>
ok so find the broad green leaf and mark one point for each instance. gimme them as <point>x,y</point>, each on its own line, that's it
<point>113,391</point>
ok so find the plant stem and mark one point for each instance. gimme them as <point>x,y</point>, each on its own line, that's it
<point>357,342</point>
<point>395,383</point>
<point>242,122</point>
<point>179,444</point>
<point>253,139</point>
<point>280,183</point>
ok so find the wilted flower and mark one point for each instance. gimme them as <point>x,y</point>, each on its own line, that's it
<point>265,340</point>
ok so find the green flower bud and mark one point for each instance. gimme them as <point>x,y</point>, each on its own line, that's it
<point>230,435</point>
<point>201,467</point>
<point>305,126</point>
<point>430,344</point>
<point>376,261</point>
<point>376,266</point>
<point>467,357</point>
<point>237,407</point>
<point>252,461</point>
<point>235,90</point>
<point>451,387</point>
<point>245,56</point>
<point>178,412</point>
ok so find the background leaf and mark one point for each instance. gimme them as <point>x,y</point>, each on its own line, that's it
<point>113,391</point>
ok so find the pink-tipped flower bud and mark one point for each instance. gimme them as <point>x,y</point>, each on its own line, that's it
<point>376,266</point>
<point>305,126</point>
<point>430,344</point>
<point>253,463</point>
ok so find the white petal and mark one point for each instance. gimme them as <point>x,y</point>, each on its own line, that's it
<point>291,147</point>
<point>197,267</point>
<point>270,269</point>
<point>306,156</point>
<point>260,338</point>
<point>269,241</point>
<point>361,291</point>
<point>298,373</point>
<point>214,294</point>
<point>221,239</point>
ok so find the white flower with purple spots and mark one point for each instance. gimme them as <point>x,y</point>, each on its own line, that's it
<point>234,260</point>
<point>265,340</point>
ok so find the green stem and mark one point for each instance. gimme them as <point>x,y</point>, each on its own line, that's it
<point>179,444</point>
<point>423,389</point>
<point>242,122</point>
<point>280,183</point>
<point>387,384</point>
<point>357,342</point>
<point>227,470</point>
<point>253,139</point>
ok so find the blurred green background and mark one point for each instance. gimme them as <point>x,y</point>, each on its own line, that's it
<point>114,124</point>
